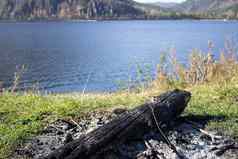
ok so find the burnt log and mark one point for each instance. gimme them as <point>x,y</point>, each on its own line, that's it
<point>130,124</point>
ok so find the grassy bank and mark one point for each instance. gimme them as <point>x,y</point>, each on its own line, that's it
<point>23,115</point>
<point>213,84</point>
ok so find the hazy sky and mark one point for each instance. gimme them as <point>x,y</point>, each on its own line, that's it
<point>159,0</point>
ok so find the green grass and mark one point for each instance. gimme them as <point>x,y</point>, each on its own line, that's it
<point>220,102</point>
<point>24,115</point>
<point>213,84</point>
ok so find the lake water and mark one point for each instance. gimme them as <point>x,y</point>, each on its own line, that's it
<point>98,56</point>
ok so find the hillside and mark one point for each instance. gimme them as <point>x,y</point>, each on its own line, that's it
<point>204,5</point>
<point>209,8</point>
<point>115,9</point>
<point>65,9</point>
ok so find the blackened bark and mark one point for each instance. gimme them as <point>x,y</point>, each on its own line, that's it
<point>130,124</point>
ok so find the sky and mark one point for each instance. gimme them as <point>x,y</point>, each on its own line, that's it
<point>149,1</point>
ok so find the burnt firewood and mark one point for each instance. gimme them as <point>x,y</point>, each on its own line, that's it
<point>131,124</point>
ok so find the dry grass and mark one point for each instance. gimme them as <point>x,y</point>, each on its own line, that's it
<point>202,68</point>
<point>213,83</point>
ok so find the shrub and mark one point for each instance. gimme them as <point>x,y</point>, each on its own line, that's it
<point>201,68</point>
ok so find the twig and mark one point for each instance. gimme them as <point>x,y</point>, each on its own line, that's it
<point>85,86</point>
<point>165,137</point>
<point>76,123</point>
<point>147,145</point>
<point>194,125</point>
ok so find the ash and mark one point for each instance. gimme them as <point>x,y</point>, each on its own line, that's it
<point>190,142</point>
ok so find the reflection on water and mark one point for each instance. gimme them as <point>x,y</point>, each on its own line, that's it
<point>67,56</point>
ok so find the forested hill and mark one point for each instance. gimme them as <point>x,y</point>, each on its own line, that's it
<point>73,9</point>
<point>115,9</point>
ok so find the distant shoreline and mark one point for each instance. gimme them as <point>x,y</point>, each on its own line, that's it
<point>125,19</point>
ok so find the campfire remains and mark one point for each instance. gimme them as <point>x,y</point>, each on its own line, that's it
<point>135,134</point>
<point>130,125</point>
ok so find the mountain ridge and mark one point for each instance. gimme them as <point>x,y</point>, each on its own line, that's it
<point>116,9</point>
<point>205,5</point>
<point>68,9</point>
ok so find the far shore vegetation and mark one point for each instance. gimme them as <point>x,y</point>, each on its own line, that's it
<point>213,83</point>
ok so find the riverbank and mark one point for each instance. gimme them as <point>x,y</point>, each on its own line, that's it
<point>25,115</point>
<point>213,84</point>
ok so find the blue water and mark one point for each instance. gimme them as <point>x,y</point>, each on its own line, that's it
<point>97,56</point>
